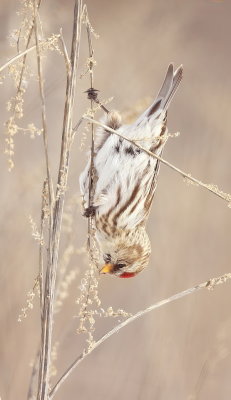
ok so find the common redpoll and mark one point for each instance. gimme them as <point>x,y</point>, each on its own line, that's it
<point>126,179</point>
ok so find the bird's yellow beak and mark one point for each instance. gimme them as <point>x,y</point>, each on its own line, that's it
<point>107,269</point>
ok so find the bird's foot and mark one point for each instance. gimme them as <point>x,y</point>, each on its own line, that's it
<point>89,212</point>
<point>92,94</point>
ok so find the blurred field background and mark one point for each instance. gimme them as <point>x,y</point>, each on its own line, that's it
<point>181,351</point>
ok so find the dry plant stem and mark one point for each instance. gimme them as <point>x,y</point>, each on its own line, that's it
<point>48,309</point>
<point>182,173</point>
<point>91,175</point>
<point>210,284</point>
<point>65,53</point>
<point>41,294</point>
<point>15,58</point>
<point>24,57</point>
<point>49,183</point>
<point>20,55</point>
<point>30,394</point>
<point>75,129</point>
<point>43,107</point>
<point>41,246</point>
<point>18,40</point>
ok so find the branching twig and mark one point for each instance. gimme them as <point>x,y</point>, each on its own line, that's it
<point>25,56</point>
<point>21,54</point>
<point>65,53</point>
<point>210,284</point>
<point>210,187</point>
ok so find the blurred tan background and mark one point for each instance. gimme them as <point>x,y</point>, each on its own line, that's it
<point>179,352</point>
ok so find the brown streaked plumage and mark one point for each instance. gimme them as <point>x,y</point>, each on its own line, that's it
<point>126,183</point>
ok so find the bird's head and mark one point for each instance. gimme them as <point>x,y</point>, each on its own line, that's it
<point>125,255</point>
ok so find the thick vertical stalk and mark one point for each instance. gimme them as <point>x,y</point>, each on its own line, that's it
<point>53,252</point>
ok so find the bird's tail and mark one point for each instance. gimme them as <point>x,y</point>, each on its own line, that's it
<point>165,95</point>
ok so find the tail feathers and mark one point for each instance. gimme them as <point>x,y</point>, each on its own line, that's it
<point>165,95</point>
<point>167,84</point>
<point>177,77</point>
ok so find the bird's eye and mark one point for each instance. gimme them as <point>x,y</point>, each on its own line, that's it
<point>107,258</point>
<point>119,266</point>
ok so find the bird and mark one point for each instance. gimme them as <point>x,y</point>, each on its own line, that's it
<point>125,180</point>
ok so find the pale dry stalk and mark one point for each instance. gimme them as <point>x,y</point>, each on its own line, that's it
<point>51,196</point>
<point>90,237</point>
<point>43,106</point>
<point>35,367</point>
<point>41,244</point>
<point>47,182</point>
<point>53,251</point>
<point>91,175</point>
<point>65,52</point>
<point>32,383</point>
<point>210,284</point>
<point>21,54</point>
<point>17,57</point>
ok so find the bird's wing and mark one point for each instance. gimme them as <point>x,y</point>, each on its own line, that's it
<point>165,95</point>
<point>150,195</point>
<point>112,120</point>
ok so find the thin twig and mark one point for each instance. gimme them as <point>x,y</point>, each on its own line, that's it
<point>210,187</point>
<point>24,59</point>
<point>30,393</point>
<point>90,234</point>
<point>21,54</point>
<point>15,58</point>
<point>35,367</point>
<point>74,130</point>
<point>65,53</point>
<point>43,106</point>
<point>210,284</point>
<point>41,246</point>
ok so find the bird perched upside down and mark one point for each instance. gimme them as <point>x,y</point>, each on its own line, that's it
<point>126,179</point>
